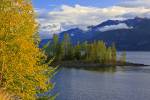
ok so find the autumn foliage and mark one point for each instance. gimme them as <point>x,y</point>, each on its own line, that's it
<point>22,64</point>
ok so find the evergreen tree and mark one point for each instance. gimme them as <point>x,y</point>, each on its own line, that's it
<point>67,46</point>
<point>23,71</point>
<point>108,55</point>
<point>91,53</point>
<point>84,50</point>
<point>114,54</point>
<point>95,51</point>
<point>55,46</point>
<point>60,52</point>
<point>77,52</point>
<point>123,57</point>
<point>55,40</point>
<point>101,52</point>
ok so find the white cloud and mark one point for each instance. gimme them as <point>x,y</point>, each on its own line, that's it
<point>114,27</point>
<point>66,17</point>
<point>136,3</point>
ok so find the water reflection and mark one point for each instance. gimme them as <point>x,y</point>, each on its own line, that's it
<point>105,83</point>
<point>111,83</point>
<point>100,69</point>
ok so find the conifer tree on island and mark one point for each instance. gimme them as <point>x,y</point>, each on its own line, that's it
<point>23,71</point>
<point>96,52</point>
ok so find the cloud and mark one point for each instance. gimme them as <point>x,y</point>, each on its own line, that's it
<point>66,17</point>
<point>114,27</point>
<point>136,3</point>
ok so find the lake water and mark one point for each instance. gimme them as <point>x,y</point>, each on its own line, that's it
<point>120,83</point>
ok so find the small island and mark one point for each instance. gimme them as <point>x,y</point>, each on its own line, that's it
<point>82,64</point>
<point>84,55</point>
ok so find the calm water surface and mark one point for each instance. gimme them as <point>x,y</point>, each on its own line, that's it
<point>120,83</point>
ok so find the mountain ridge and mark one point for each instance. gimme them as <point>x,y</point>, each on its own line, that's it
<point>131,35</point>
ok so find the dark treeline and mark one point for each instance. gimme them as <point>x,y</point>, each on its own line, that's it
<point>90,52</point>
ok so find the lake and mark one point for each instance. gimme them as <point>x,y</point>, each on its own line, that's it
<point>117,83</point>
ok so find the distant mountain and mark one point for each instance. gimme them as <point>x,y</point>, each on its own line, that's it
<point>136,38</point>
<point>130,34</point>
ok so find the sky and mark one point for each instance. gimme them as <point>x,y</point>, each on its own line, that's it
<point>51,4</point>
<point>55,16</point>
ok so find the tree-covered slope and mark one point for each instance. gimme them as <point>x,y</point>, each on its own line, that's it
<point>130,34</point>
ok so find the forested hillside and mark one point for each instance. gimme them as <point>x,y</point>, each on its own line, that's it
<point>130,34</point>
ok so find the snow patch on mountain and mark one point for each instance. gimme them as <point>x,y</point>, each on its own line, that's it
<point>114,27</point>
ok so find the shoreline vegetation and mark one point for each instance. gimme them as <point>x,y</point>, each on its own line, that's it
<point>81,55</point>
<point>83,64</point>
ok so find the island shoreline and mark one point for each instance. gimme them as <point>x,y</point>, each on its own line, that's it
<point>82,64</point>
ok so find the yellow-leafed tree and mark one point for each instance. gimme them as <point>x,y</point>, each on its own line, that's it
<point>23,71</point>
